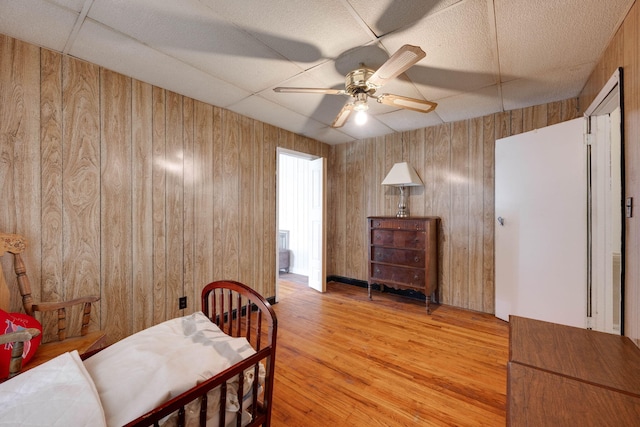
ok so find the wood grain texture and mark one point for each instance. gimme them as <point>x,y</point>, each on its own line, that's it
<point>81,178</point>
<point>158,197</point>
<point>174,202</point>
<point>142,204</point>
<point>346,360</point>
<point>115,202</point>
<point>52,172</point>
<point>19,148</point>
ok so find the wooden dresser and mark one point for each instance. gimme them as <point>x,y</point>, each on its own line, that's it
<point>565,376</point>
<point>403,254</point>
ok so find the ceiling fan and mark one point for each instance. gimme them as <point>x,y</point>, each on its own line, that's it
<point>363,82</point>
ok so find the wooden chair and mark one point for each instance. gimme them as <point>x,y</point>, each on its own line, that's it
<point>17,339</point>
<point>85,342</point>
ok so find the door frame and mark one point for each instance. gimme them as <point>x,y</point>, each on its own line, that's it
<point>323,251</point>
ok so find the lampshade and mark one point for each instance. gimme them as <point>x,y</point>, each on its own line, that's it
<point>402,175</point>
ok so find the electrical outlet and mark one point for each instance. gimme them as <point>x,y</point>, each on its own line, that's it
<point>182,303</point>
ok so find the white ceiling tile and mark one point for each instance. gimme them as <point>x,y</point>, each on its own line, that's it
<point>306,32</point>
<point>401,120</point>
<point>191,32</point>
<point>538,36</point>
<point>385,16</point>
<point>330,136</point>
<point>75,5</point>
<point>112,50</point>
<point>261,109</point>
<point>555,85</point>
<point>469,105</point>
<point>459,47</point>
<point>37,21</point>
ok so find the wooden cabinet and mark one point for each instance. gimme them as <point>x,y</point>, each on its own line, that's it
<point>403,254</point>
<point>565,376</point>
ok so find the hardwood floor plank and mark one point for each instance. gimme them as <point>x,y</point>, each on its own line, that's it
<point>345,360</point>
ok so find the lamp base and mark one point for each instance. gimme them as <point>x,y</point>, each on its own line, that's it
<point>403,212</point>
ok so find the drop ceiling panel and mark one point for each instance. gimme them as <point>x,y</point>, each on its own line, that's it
<point>537,36</point>
<point>305,32</point>
<point>38,22</point>
<point>112,50</point>
<point>401,120</point>
<point>460,52</point>
<point>192,33</point>
<point>263,110</point>
<point>385,16</point>
<point>555,85</point>
<point>470,105</point>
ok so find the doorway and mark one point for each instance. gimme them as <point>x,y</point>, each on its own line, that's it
<point>300,219</point>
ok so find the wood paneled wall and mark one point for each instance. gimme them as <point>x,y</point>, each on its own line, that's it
<point>624,51</point>
<point>130,191</point>
<point>456,164</point>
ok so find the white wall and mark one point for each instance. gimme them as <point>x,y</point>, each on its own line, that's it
<point>293,209</point>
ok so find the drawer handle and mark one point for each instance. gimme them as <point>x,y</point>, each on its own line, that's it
<point>377,270</point>
<point>416,259</point>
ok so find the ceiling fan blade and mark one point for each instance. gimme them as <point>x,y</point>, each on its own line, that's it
<point>397,64</point>
<point>343,115</point>
<point>309,90</point>
<point>419,105</point>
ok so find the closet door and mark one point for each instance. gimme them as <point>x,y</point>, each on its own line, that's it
<point>541,228</point>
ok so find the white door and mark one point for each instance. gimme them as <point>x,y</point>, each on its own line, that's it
<point>317,266</point>
<point>541,228</point>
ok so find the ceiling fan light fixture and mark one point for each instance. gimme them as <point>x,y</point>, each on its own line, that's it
<point>360,104</point>
<point>361,117</point>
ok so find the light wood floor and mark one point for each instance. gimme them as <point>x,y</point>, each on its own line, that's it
<point>343,360</point>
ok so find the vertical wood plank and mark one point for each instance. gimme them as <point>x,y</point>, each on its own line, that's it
<point>81,178</point>
<point>257,259</point>
<point>174,199</point>
<point>115,204</point>
<point>270,138</point>
<point>355,220</point>
<point>246,202</point>
<point>488,274</point>
<point>442,206</point>
<point>204,202</point>
<point>476,214</point>
<point>159,207</point>
<point>416,158</point>
<point>218,194</point>
<point>142,204</point>
<point>460,233</point>
<point>230,220</point>
<point>188,231</point>
<point>52,149</point>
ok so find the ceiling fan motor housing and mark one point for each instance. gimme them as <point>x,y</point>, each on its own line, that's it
<point>356,81</point>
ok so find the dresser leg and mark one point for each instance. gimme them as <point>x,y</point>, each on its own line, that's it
<point>428,298</point>
<point>369,289</point>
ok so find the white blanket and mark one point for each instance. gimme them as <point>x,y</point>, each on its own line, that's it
<point>58,393</point>
<point>146,369</point>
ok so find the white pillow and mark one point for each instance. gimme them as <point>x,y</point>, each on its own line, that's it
<point>146,369</point>
<point>57,393</point>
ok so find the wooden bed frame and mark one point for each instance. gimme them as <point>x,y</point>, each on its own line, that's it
<point>238,311</point>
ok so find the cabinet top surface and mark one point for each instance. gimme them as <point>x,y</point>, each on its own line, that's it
<point>597,357</point>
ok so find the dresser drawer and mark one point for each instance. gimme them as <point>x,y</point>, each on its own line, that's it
<point>398,238</point>
<point>398,224</point>
<point>406,257</point>
<point>398,275</point>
